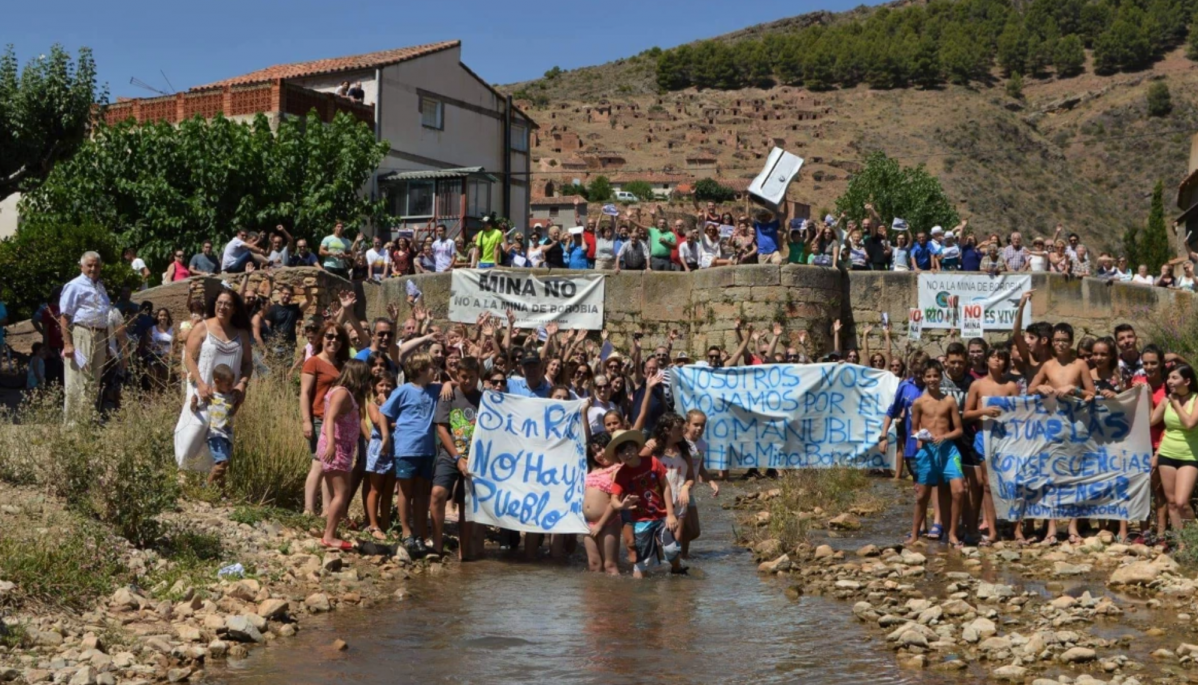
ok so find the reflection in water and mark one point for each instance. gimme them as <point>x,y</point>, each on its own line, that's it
<point>499,621</point>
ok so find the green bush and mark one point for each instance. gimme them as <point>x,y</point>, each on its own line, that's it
<point>270,454</point>
<point>68,565</point>
<point>911,193</point>
<point>1160,103</point>
<point>642,189</point>
<point>38,258</point>
<point>709,190</point>
<point>1015,86</point>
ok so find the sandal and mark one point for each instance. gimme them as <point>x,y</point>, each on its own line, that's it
<point>376,533</point>
<point>344,545</point>
<point>935,532</point>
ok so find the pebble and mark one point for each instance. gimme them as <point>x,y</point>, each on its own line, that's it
<point>340,645</point>
<point>317,603</point>
<point>1078,655</point>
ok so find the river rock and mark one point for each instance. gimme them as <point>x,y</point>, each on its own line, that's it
<point>273,609</point>
<point>188,633</point>
<point>910,558</point>
<point>913,638</point>
<point>1064,602</point>
<point>1135,573</point>
<point>914,663</point>
<point>218,648</point>
<point>178,675</point>
<point>318,602</point>
<point>778,565</point>
<point>869,551</point>
<point>287,630</point>
<point>956,607</point>
<point>8,674</point>
<point>848,585</point>
<point>824,552</point>
<point>124,598</point>
<point>994,591</point>
<point>844,522</point>
<point>930,615</point>
<point>47,638</point>
<point>915,606</point>
<point>1064,568</point>
<point>240,629</point>
<point>86,675</point>
<point>1187,649</point>
<point>1011,673</point>
<point>982,628</point>
<point>243,590</point>
<point>340,645</point>
<point>768,549</point>
<point>995,644</point>
<point>402,555</point>
<point>1078,655</point>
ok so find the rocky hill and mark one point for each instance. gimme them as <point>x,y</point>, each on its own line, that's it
<point>1082,151</point>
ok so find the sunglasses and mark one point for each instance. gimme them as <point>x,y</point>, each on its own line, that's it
<point>384,334</point>
<point>602,386</point>
<point>331,336</point>
<point>498,381</point>
<point>792,357</point>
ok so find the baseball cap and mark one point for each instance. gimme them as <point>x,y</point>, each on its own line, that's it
<point>531,358</point>
<point>937,230</point>
<point>681,356</point>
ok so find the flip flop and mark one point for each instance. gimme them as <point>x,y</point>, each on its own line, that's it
<point>935,532</point>
<point>344,546</point>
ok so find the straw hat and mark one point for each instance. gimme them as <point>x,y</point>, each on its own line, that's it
<point>619,438</point>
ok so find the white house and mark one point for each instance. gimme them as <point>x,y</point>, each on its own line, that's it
<point>459,148</point>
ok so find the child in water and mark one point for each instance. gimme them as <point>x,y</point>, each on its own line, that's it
<point>603,542</point>
<point>380,461</point>
<point>642,487</point>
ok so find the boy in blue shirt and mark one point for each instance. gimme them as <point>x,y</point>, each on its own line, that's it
<point>411,408</point>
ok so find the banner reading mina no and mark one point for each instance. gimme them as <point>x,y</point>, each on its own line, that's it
<point>568,301</point>
<point>787,416</point>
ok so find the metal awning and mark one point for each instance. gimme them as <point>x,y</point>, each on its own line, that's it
<point>437,174</point>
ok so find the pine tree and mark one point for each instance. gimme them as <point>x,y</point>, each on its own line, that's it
<point>1154,250</point>
<point>1015,86</point>
<point>1160,103</point>
<point>925,63</point>
<point>1131,246</point>
<point>1013,46</point>
<point>1069,56</point>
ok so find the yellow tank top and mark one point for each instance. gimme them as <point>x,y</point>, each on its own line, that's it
<point>1177,442</point>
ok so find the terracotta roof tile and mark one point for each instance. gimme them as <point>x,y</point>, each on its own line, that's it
<point>650,178</point>
<point>564,200</point>
<point>369,60</point>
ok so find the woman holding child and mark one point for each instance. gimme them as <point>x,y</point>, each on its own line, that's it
<point>221,338</point>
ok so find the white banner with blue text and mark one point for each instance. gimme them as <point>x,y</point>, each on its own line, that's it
<point>942,294</point>
<point>1052,458</point>
<point>789,416</point>
<point>569,301</point>
<point>528,465</point>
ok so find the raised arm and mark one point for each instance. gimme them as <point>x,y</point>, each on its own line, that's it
<point>744,343</point>
<point>1025,352</point>
<point>650,383</point>
<point>836,326</point>
<point>774,341</point>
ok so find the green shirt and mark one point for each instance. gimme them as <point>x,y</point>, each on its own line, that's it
<point>1177,442</point>
<point>656,248</point>
<point>487,241</point>
<point>336,246</point>
<point>797,253</point>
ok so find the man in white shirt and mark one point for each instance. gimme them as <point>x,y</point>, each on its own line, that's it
<point>937,239</point>
<point>138,265</point>
<point>444,250</point>
<point>689,252</point>
<point>378,260</point>
<point>280,248</point>
<point>240,251</point>
<point>83,319</point>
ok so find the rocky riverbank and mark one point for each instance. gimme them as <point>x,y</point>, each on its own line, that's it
<point>1084,613</point>
<point>173,618</point>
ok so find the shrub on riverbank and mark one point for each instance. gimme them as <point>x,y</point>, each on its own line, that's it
<point>800,492</point>
<point>66,564</point>
<point>270,454</point>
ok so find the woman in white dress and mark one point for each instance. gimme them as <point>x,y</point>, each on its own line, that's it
<point>161,347</point>
<point>223,337</point>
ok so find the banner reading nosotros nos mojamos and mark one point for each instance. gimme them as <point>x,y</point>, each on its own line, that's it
<point>941,295</point>
<point>1062,458</point>
<point>787,416</point>
<point>568,301</point>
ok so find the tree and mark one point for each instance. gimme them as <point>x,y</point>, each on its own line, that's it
<point>600,190</point>
<point>1154,247</point>
<point>925,63</point>
<point>553,73</point>
<point>1015,86</point>
<point>709,190</point>
<point>1013,46</point>
<point>45,114</point>
<point>641,189</point>
<point>573,189</point>
<point>38,258</point>
<point>1131,246</point>
<point>1159,101</point>
<point>1069,56</point>
<point>963,56</point>
<point>160,187</point>
<point>673,68</point>
<point>896,191</point>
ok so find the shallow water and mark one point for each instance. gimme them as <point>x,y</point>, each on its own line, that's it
<point>500,621</point>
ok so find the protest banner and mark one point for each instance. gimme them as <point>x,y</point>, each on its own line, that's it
<point>972,316</point>
<point>1052,458</point>
<point>570,301</point>
<point>941,294</point>
<point>788,416</point>
<point>528,465</point>
<point>915,324</point>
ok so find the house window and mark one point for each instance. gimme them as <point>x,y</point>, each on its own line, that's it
<point>519,137</point>
<point>418,199</point>
<point>478,197</point>
<point>553,212</point>
<point>432,113</point>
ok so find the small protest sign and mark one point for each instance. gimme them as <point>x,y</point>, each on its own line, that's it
<point>528,465</point>
<point>972,316</point>
<point>915,324</point>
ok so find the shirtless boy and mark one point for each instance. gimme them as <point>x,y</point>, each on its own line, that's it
<point>935,417</point>
<point>1032,344</point>
<point>1063,376</point>
<point>996,383</point>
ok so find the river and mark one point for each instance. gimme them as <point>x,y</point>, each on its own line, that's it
<point>501,621</point>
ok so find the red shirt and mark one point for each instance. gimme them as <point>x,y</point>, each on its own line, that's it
<point>588,237</point>
<point>1157,431</point>
<point>179,272</point>
<point>646,480</point>
<point>679,238</point>
<point>50,323</point>
<point>326,374</point>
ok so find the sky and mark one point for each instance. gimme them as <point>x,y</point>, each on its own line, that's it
<point>504,42</point>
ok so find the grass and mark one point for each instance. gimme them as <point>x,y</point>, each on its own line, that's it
<point>15,636</point>
<point>192,557</point>
<point>270,454</point>
<point>252,515</point>
<point>67,564</point>
<point>835,490</point>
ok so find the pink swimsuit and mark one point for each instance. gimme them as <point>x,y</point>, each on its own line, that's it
<point>601,479</point>
<point>345,435</point>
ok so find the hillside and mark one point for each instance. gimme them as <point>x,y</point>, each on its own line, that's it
<point>1080,151</point>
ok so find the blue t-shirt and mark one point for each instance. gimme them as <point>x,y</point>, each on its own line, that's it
<point>923,255</point>
<point>411,407</point>
<point>971,259</point>
<point>518,385</point>
<point>904,397</point>
<point>577,258</point>
<point>767,237</point>
<point>3,316</point>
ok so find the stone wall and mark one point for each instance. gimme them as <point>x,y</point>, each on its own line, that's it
<point>705,305</point>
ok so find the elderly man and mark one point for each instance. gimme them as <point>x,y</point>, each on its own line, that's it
<point>1015,255</point>
<point>83,319</point>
